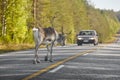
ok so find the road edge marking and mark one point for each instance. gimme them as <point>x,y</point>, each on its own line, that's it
<point>56,64</point>
<point>56,69</point>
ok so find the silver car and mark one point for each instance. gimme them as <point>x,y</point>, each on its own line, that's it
<point>87,37</point>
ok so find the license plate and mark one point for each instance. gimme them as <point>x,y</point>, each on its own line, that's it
<point>85,41</point>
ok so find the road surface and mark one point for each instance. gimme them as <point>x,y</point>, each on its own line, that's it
<point>71,62</point>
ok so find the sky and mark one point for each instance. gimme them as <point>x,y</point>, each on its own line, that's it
<point>106,4</point>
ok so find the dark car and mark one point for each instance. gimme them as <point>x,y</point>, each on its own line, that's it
<point>87,37</point>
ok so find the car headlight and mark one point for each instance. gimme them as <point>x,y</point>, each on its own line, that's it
<point>92,38</point>
<point>79,38</point>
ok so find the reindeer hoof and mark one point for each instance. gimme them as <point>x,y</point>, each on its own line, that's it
<point>34,62</point>
<point>38,61</point>
<point>46,58</point>
<point>51,60</point>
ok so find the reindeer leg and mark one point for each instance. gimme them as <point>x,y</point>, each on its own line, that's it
<point>36,52</point>
<point>46,57</point>
<point>36,59</point>
<point>51,48</point>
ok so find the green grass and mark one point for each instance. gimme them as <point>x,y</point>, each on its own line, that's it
<point>4,48</point>
<point>111,40</point>
<point>11,47</point>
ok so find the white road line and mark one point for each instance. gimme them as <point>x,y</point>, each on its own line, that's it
<point>85,54</point>
<point>56,69</point>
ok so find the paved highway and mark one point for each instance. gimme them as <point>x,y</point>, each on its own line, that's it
<point>71,62</point>
<point>101,64</point>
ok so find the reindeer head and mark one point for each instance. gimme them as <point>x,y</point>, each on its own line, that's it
<point>61,39</point>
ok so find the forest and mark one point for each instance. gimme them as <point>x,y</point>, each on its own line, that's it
<point>68,16</point>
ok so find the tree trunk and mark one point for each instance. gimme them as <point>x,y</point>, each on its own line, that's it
<point>35,12</point>
<point>3,18</point>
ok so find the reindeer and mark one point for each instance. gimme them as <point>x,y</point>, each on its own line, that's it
<point>61,39</point>
<point>46,36</point>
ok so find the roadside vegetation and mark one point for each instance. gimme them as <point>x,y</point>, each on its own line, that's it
<point>68,16</point>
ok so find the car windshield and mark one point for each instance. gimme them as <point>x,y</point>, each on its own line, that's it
<point>86,33</point>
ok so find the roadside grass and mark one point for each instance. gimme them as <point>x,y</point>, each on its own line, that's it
<point>4,48</point>
<point>117,35</point>
<point>16,47</point>
<point>111,40</point>
<point>10,47</point>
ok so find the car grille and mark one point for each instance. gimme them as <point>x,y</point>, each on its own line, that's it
<point>86,38</point>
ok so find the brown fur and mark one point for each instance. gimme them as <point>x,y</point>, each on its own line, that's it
<point>45,36</point>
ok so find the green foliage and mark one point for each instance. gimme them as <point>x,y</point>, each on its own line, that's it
<point>104,22</point>
<point>16,16</point>
<point>72,15</point>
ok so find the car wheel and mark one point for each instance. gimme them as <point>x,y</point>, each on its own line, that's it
<point>95,44</point>
<point>80,44</point>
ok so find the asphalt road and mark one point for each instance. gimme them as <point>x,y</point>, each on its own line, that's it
<point>71,62</point>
